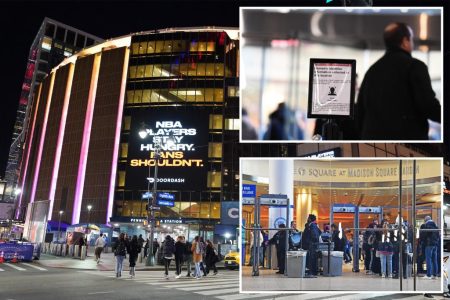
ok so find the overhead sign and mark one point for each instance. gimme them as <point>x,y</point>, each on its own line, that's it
<point>229,212</point>
<point>248,190</point>
<point>169,203</point>
<point>335,152</point>
<point>182,137</point>
<point>331,88</point>
<point>273,200</point>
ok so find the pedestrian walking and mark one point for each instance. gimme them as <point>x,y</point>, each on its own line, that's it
<point>120,252</point>
<point>133,250</point>
<point>203,250</point>
<point>168,253</point>
<point>188,257</point>
<point>179,253</point>
<point>431,247</point>
<point>147,244</point>
<point>99,245</point>
<point>211,257</point>
<point>197,256</point>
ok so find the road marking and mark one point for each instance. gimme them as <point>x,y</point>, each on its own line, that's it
<point>206,287</point>
<point>218,292</point>
<point>1,270</point>
<point>176,283</point>
<point>33,266</point>
<point>246,296</point>
<point>15,267</point>
<point>202,284</point>
<point>95,293</point>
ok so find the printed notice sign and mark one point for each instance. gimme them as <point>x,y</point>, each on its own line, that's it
<point>331,88</point>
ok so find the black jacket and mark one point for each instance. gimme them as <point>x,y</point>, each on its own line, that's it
<point>210,256</point>
<point>133,248</point>
<point>169,247</point>
<point>279,240</point>
<point>396,99</point>
<point>180,249</point>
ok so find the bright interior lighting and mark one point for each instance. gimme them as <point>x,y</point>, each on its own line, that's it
<point>227,235</point>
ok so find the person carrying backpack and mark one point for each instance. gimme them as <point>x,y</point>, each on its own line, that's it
<point>120,252</point>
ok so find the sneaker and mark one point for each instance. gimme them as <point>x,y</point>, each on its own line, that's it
<point>383,276</point>
<point>166,276</point>
<point>428,296</point>
<point>433,277</point>
<point>215,273</point>
<point>178,276</point>
<point>426,277</point>
<point>188,275</point>
<point>391,276</point>
<point>197,278</point>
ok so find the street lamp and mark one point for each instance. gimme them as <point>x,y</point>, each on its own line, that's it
<point>227,235</point>
<point>89,207</point>
<point>59,224</point>
<point>151,198</point>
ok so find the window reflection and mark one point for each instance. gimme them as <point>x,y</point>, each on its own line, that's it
<point>174,95</point>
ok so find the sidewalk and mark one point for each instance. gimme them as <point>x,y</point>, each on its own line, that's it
<point>107,263</point>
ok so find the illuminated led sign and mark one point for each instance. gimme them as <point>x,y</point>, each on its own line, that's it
<point>182,137</point>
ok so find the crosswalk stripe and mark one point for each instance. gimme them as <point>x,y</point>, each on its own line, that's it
<point>218,292</point>
<point>204,287</point>
<point>244,296</point>
<point>175,283</point>
<point>202,284</point>
<point>33,266</point>
<point>15,267</point>
<point>1,270</point>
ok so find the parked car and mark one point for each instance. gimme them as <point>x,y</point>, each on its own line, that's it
<point>232,260</point>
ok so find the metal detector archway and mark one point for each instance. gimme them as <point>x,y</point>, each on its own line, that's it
<point>350,208</point>
<point>273,200</point>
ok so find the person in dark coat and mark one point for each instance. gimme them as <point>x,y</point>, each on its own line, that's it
<point>133,250</point>
<point>314,235</point>
<point>279,240</point>
<point>168,253</point>
<point>432,240</point>
<point>179,253</point>
<point>210,258</point>
<point>283,125</point>
<point>396,98</point>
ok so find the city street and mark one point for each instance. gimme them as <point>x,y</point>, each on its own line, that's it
<point>25,281</point>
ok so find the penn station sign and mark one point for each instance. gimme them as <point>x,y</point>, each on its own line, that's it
<point>365,171</point>
<point>182,136</point>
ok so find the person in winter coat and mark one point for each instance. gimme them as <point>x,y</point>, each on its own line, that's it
<point>168,253</point>
<point>120,251</point>
<point>385,249</point>
<point>188,256</point>
<point>197,256</point>
<point>314,234</point>
<point>279,240</point>
<point>134,248</point>
<point>211,257</point>
<point>147,243</point>
<point>180,248</point>
<point>203,249</point>
<point>431,247</point>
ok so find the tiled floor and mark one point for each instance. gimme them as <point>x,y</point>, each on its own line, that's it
<point>349,281</point>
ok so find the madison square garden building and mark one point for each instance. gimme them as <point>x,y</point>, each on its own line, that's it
<point>84,146</point>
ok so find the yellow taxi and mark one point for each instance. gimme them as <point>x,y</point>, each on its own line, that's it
<point>232,260</point>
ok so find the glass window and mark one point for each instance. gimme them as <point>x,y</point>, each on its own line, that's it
<point>137,96</point>
<point>89,42</point>
<point>215,210</point>
<point>205,210</point>
<point>201,69</point>
<point>209,69</point>
<point>156,71</point>
<point>167,46</point>
<point>146,96</point>
<point>233,91</point>
<point>70,37</point>
<point>232,124</point>
<point>165,71</point>
<point>215,121</point>
<point>193,46</point>
<point>121,178</point>
<point>159,46</point>
<point>142,48</point>
<point>148,71</point>
<point>192,69</point>
<point>47,43</point>
<point>215,150</point>
<point>80,41</point>
<point>127,123</point>
<point>60,32</point>
<point>58,45</point>
<point>214,179</point>
<point>130,96</point>
<point>155,96</point>
<point>179,46</point>
<point>218,95</point>
<point>184,69</point>
<point>201,47</point>
<point>151,47</point>
<point>175,69</point>
<point>124,150</point>
<point>140,71</point>
<point>218,70</point>
<point>194,210</point>
<point>211,46</point>
<point>49,29</point>
<point>135,48</point>
<point>132,72</point>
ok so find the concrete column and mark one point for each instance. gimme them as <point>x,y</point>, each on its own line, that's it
<point>281,181</point>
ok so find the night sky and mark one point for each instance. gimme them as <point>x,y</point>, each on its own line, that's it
<point>20,22</point>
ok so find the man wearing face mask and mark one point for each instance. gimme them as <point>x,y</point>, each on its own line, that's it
<point>396,99</point>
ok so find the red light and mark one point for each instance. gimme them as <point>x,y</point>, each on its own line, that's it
<point>285,43</point>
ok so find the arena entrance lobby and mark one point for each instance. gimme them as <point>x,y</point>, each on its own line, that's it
<point>351,224</point>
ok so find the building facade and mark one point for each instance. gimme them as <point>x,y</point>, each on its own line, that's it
<point>84,147</point>
<point>53,43</point>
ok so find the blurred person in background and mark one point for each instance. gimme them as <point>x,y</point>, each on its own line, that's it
<point>283,125</point>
